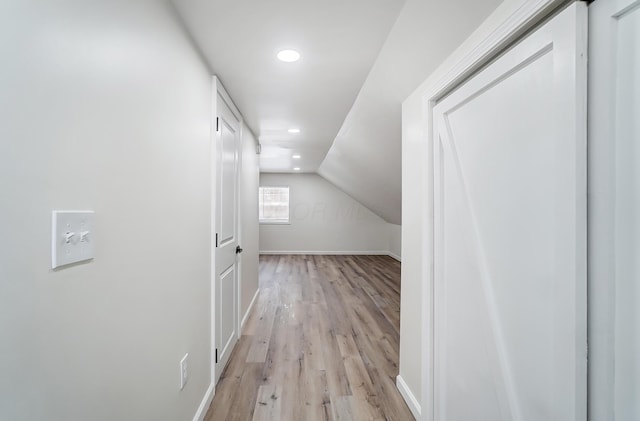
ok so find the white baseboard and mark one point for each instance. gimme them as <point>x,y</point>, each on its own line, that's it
<point>331,253</point>
<point>204,405</point>
<point>395,256</point>
<point>335,253</point>
<point>409,398</point>
<point>246,314</point>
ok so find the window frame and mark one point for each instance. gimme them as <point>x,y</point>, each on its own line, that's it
<point>275,221</point>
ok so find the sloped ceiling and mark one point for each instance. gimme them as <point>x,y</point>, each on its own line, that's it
<point>360,60</point>
<point>365,158</point>
<point>338,40</point>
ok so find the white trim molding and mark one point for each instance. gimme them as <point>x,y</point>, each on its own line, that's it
<point>205,404</point>
<point>509,22</point>
<point>246,314</point>
<point>329,253</point>
<point>221,92</point>
<point>528,14</point>
<point>408,397</point>
<point>336,253</point>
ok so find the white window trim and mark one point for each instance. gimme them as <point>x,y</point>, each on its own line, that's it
<point>277,221</point>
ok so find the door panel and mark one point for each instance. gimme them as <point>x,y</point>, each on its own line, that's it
<point>226,288</point>
<point>227,310</point>
<point>614,227</point>
<point>510,227</point>
<point>228,180</point>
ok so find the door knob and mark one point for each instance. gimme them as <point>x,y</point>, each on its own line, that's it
<point>238,249</point>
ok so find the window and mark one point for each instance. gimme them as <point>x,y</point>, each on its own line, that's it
<point>273,205</point>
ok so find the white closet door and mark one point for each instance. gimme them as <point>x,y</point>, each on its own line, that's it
<point>510,234</point>
<point>614,206</point>
<point>226,277</point>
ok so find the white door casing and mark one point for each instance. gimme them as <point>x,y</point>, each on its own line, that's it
<point>509,293</point>
<point>226,273</point>
<point>614,205</point>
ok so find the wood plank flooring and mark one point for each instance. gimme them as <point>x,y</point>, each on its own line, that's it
<point>321,343</point>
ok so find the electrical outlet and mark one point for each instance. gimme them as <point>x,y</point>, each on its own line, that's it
<point>184,370</point>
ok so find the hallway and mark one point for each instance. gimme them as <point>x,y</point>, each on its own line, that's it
<point>321,343</point>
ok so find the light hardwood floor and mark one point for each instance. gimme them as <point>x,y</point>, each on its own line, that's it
<point>321,343</point>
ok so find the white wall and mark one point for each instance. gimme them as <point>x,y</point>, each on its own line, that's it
<point>413,209</point>
<point>249,230</point>
<point>323,220</point>
<point>365,158</point>
<point>105,106</point>
<point>395,241</point>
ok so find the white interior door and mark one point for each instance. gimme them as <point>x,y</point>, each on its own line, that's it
<point>226,222</point>
<point>614,206</point>
<point>510,234</point>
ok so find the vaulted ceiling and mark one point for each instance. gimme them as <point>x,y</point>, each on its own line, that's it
<point>359,60</point>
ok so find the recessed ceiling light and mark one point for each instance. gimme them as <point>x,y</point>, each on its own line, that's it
<point>296,168</point>
<point>288,56</point>
<point>294,130</point>
<point>296,157</point>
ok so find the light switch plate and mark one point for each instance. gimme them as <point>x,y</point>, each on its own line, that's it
<point>71,237</point>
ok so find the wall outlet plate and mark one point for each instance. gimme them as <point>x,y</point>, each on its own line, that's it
<point>71,237</point>
<point>184,370</point>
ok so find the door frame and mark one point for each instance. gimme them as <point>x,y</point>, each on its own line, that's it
<point>218,91</point>
<point>516,22</point>
<point>604,223</point>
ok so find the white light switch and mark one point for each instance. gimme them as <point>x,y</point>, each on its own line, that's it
<point>71,238</point>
